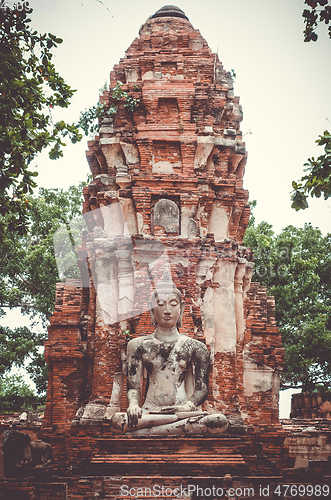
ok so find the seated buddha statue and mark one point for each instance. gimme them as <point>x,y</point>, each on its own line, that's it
<point>177,377</point>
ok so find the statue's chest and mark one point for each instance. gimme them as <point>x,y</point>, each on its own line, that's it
<point>164,357</point>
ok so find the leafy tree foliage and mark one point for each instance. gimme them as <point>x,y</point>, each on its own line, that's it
<point>28,276</point>
<point>30,87</point>
<point>15,395</point>
<point>317,180</point>
<point>15,346</point>
<point>90,119</point>
<point>295,266</point>
<point>28,271</point>
<point>319,12</point>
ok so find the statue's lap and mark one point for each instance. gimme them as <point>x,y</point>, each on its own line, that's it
<point>185,423</point>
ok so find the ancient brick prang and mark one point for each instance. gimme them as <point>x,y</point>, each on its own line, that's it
<point>167,195</point>
<point>181,141</point>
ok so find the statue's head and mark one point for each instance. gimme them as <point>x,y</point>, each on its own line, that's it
<point>167,306</point>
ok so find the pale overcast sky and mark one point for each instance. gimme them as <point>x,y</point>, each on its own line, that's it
<point>283,84</point>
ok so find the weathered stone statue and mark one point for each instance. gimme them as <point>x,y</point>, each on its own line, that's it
<point>177,368</point>
<point>22,456</point>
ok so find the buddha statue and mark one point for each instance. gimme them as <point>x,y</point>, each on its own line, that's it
<point>177,369</point>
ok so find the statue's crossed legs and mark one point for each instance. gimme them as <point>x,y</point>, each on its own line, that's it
<point>183,423</point>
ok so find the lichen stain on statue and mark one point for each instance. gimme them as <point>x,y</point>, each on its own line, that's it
<point>178,370</point>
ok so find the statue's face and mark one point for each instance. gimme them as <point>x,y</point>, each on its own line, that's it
<point>167,310</point>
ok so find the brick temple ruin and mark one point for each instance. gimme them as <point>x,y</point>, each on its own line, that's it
<point>167,195</point>
<point>167,177</point>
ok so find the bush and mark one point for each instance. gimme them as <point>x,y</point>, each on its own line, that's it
<point>17,395</point>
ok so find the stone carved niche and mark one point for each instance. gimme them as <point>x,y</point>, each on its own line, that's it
<point>166,214</point>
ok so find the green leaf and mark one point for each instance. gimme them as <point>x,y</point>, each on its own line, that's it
<point>317,180</point>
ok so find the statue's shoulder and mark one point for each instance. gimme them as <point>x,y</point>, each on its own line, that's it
<point>139,341</point>
<point>147,340</point>
<point>194,342</point>
<point>197,345</point>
